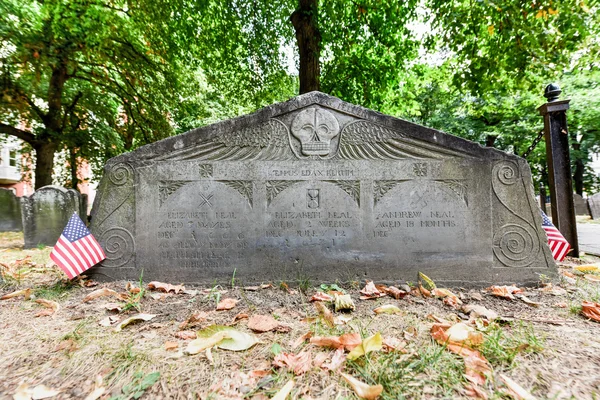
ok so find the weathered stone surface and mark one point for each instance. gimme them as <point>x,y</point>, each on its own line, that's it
<point>10,211</point>
<point>46,213</point>
<point>581,205</point>
<point>321,189</point>
<point>594,204</point>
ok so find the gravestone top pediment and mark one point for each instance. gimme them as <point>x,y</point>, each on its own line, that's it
<point>313,126</point>
<point>321,189</point>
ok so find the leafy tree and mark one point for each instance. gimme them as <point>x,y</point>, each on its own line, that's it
<point>97,77</point>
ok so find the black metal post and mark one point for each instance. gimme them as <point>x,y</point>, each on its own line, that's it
<point>543,197</point>
<point>559,165</point>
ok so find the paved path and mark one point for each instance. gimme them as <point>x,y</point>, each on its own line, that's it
<point>589,238</point>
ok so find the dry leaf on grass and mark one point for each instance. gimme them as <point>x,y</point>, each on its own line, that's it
<point>165,287</point>
<point>69,345</point>
<point>171,346</point>
<point>134,318</point>
<point>504,291</point>
<point>103,292</point>
<point>372,343</point>
<point>302,339</point>
<point>394,344</point>
<point>361,389</point>
<point>23,392</point>
<point>194,319</point>
<point>348,341</point>
<point>515,390</point>
<point>477,311</point>
<point>264,323</point>
<point>185,335</point>
<point>387,309</point>
<point>108,321</point>
<point>370,291</point>
<point>591,310</point>
<point>426,281</point>
<point>52,307</point>
<point>299,363</point>
<point>226,304</point>
<point>396,293</point>
<point>23,292</point>
<point>449,298</point>
<point>337,361</point>
<point>462,333</point>
<point>232,340</point>
<point>587,268</point>
<point>343,302</point>
<point>325,314</point>
<point>320,296</point>
<point>284,391</point>
<point>592,278</point>
<point>198,345</point>
<point>528,301</point>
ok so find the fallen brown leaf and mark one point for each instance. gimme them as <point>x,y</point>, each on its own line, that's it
<point>283,393</point>
<point>194,319</point>
<point>348,341</point>
<point>185,335</point>
<point>337,361</point>
<point>262,323</point>
<point>226,304</point>
<point>171,346</point>
<point>108,321</point>
<point>504,291</point>
<point>23,392</point>
<point>325,313</point>
<point>477,311</point>
<point>299,363</point>
<point>302,339</point>
<point>361,389</point>
<point>52,305</point>
<point>592,278</point>
<point>165,287</point>
<point>515,390</point>
<point>23,292</point>
<point>395,292</point>
<point>320,296</point>
<point>104,292</point>
<point>370,291</point>
<point>591,310</point>
<point>134,318</point>
<point>69,345</point>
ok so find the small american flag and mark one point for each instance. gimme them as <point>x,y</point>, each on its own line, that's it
<point>557,242</point>
<point>76,250</point>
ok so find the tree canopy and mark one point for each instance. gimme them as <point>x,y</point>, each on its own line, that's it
<point>99,77</point>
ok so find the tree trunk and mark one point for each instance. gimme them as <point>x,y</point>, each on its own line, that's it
<point>308,36</point>
<point>73,166</point>
<point>490,140</point>
<point>44,163</point>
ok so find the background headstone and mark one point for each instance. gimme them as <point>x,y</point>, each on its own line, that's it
<point>594,203</point>
<point>581,205</point>
<point>46,213</point>
<point>10,211</point>
<point>322,190</point>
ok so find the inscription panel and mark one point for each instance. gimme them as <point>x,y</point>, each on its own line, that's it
<point>319,189</point>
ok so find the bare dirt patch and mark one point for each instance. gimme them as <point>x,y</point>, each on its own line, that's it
<point>549,348</point>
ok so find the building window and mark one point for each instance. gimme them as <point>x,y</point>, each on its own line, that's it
<point>12,158</point>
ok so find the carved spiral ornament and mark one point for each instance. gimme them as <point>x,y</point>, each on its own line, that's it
<point>516,245</point>
<point>119,247</point>
<point>120,174</point>
<point>507,173</point>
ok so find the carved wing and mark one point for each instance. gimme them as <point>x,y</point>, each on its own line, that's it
<point>267,141</point>
<point>367,140</point>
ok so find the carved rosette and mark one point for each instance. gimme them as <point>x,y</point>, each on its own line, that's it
<point>120,174</point>
<point>352,188</point>
<point>167,188</point>
<point>205,170</point>
<point>516,245</point>
<point>118,245</point>
<point>243,187</point>
<point>276,187</point>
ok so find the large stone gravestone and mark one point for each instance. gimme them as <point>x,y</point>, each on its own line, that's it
<point>581,205</point>
<point>594,203</point>
<point>10,211</point>
<point>47,211</point>
<point>316,188</point>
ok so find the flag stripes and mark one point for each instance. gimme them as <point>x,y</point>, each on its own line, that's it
<point>76,250</point>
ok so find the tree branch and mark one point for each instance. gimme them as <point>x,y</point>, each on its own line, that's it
<point>19,133</point>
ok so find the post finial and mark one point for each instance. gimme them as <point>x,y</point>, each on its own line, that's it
<point>552,92</point>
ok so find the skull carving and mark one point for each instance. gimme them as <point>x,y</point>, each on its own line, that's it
<point>315,128</point>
